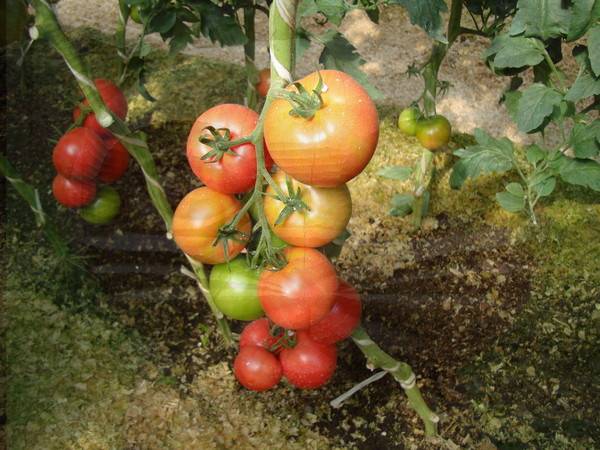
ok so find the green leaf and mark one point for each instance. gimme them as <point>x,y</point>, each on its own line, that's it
<point>545,187</point>
<point>515,189</point>
<point>580,18</point>
<point>218,26</point>
<point>302,42</point>
<point>511,202</point>
<point>401,205</point>
<point>163,22</point>
<point>582,172</point>
<point>395,173</point>
<point>427,14</point>
<point>585,86</point>
<point>594,48</point>
<point>534,154</point>
<point>511,101</point>
<point>537,103</point>
<point>489,155</point>
<point>515,51</point>
<point>541,18</point>
<point>339,54</point>
<point>334,10</point>
<point>182,36</point>
<point>584,140</point>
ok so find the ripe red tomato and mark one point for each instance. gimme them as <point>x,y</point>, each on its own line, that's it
<point>300,294</point>
<point>73,193</point>
<point>343,318</point>
<point>433,132</point>
<point>257,369</point>
<point>264,82</point>
<point>115,163</point>
<point>79,154</point>
<point>258,333</point>
<point>232,174</point>
<point>335,144</point>
<point>309,364</point>
<point>328,214</point>
<point>197,220</point>
<point>114,100</point>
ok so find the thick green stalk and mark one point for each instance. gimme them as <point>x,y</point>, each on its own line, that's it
<point>31,196</point>
<point>423,175</point>
<point>48,28</point>
<point>402,372</point>
<point>282,42</point>
<point>249,54</point>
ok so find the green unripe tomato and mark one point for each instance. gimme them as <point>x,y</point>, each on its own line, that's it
<point>13,21</point>
<point>134,14</point>
<point>104,208</point>
<point>234,288</point>
<point>407,121</point>
<point>433,132</point>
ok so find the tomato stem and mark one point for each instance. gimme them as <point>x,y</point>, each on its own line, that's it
<point>423,177</point>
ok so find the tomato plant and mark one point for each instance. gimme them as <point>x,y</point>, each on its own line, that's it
<point>79,154</point>
<point>343,318</point>
<point>224,168</point>
<point>300,294</point>
<point>13,16</point>
<point>257,369</point>
<point>73,193</point>
<point>259,333</point>
<point>104,208</point>
<point>115,101</point>
<point>309,364</point>
<point>198,220</point>
<point>324,217</point>
<point>115,163</point>
<point>328,142</point>
<point>433,132</point>
<point>234,287</point>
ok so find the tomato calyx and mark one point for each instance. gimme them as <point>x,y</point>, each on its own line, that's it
<point>220,142</point>
<point>293,202</point>
<point>229,233</point>
<point>285,338</point>
<point>305,104</point>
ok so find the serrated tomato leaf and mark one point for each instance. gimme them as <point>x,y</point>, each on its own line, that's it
<point>426,14</point>
<point>594,48</point>
<point>582,172</point>
<point>536,103</point>
<point>583,139</point>
<point>580,18</point>
<point>515,51</point>
<point>541,18</point>
<point>218,26</point>
<point>511,202</point>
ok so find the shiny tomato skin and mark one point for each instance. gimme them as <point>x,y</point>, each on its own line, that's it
<point>73,193</point>
<point>115,163</point>
<point>433,132</point>
<point>233,174</point>
<point>300,294</point>
<point>257,369</point>
<point>197,220</point>
<point>333,146</point>
<point>234,288</point>
<point>114,100</point>
<point>343,318</point>
<point>264,82</point>
<point>310,364</point>
<point>328,214</point>
<point>258,333</point>
<point>104,208</point>
<point>79,154</point>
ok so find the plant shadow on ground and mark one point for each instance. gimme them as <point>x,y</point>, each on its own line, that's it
<point>476,302</point>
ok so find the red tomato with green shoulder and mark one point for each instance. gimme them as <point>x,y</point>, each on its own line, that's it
<point>300,294</point>
<point>197,221</point>
<point>257,369</point>
<point>343,318</point>
<point>258,333</point>
<point>310,364</point>
<point>73,193</point>
<point>433,132</point>
<point>328,213</point>
<point>115,163</point>
<point>264,82</point>
<point>79,154</point>
<point>114,100</point>
<point>104,208</point>
<point>336,143</point>
<point>229,173</point>
<point>234,288</point>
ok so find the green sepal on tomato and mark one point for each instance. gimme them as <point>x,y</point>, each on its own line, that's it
<point>260,333</point>
<point>104,208</point>
<point>234,288</point>
<point>433,132</point>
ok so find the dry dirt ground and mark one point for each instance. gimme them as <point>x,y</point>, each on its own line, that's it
<point>389,48</point>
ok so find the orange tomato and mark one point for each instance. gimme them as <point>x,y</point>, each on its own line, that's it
<point>264,82</point>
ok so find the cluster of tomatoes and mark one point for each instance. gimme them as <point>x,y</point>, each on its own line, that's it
<point>432,132</point>
<point>318,134</point>
<point>89,154</point>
